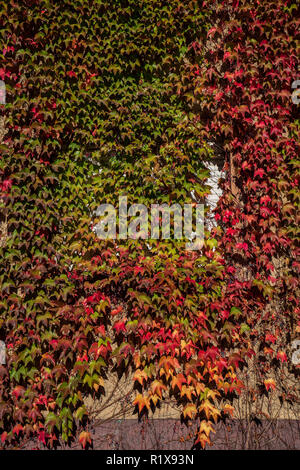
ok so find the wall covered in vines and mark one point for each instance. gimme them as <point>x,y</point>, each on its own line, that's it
<point>133,98</point>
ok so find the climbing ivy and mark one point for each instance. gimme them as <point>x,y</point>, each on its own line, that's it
<point>107,99</point>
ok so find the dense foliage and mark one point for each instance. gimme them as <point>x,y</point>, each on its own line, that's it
<point>251,62</point>
<point>105,99</point>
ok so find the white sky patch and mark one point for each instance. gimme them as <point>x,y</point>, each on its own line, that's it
<point>2,352</point>
<point>2,92</point>
<point>213,182</point>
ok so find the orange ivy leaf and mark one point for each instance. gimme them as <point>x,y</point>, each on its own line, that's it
<point>269,383</point>
<point>228,409</point>
<point>203,439</point>
<point>282,356</point>
<point>177,381</point>
<point>141,402</point>
<point>154,399</point>
<point>157,387</point>
<point>209,410</point>
<point>84,438</point>
<point>140,376</point>
<point>190,410</point>
<point>206,427</point>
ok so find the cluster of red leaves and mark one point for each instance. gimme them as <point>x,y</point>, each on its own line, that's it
<point>252,59</point>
